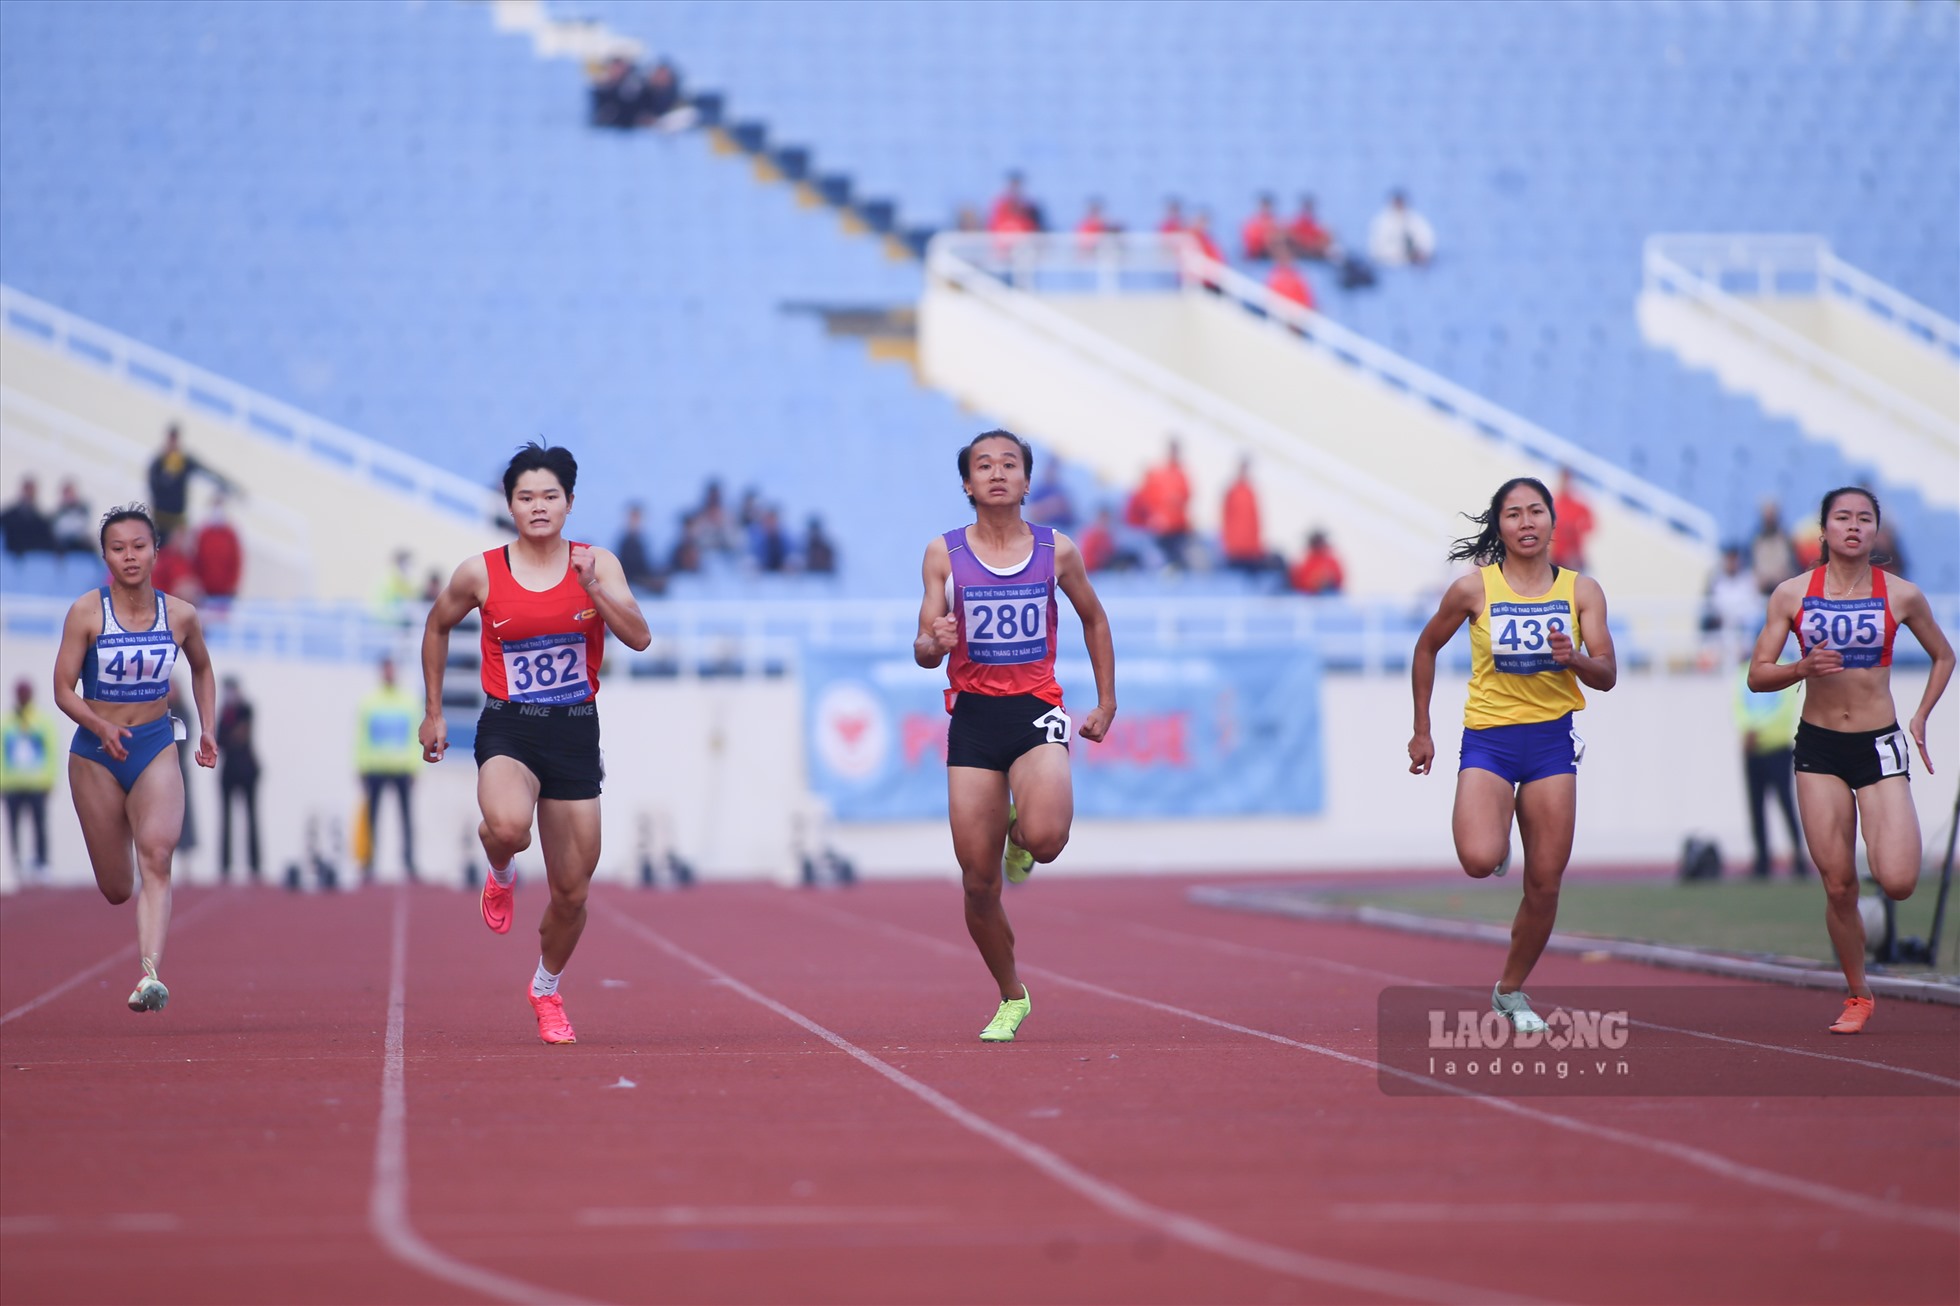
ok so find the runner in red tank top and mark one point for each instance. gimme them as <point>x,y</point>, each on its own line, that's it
<point>547,603</point>
<point>990,603</point>
<point>1853,762</point>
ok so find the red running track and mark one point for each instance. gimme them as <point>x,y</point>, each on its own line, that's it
<point>778,1097</point>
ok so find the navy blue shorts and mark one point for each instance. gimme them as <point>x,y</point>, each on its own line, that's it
<point>1521,754</point>
<point>144,743</point>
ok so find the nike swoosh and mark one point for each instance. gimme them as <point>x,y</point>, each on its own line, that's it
<point>499,625</point>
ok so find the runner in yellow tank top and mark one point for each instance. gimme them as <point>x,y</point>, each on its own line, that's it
<point>1529,621</point>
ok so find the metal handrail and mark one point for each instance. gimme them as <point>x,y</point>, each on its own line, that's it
<point>257,415</point>
<point>1666,274</point>
<point>1770,259</point>
<point>1023,261</point>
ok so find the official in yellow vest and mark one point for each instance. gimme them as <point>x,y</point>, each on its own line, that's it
<point>1768,725</point>
<point>387,753</point>
<point>29,750</point>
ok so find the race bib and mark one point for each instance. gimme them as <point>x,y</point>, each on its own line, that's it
<point>134,666</point>
<point>1854,627</point>
<point>1520,636</point>
<point>547,669</point>
<point>1894,752</point>
<point>1005,624</point>
<point>1056,723</point>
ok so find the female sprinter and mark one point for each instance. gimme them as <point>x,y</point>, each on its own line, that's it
<point>121,643</point>
<point>547,604</point>
<point>1853,762</point>
<point>1528,621</point>
<point>990,602</point>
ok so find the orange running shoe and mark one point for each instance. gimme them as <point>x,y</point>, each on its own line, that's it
<point>1856,1012</point>
<point>498,903</point>
<point>552,1025</point>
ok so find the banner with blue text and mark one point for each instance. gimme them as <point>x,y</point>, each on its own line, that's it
<point>1197,734</point>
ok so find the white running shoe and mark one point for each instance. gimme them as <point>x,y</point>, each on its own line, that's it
<point>1516,1008</point>
<point>150,995</point>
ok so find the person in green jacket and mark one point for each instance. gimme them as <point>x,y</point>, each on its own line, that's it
<point>386,753</point>
<point>1768,726</point>
<point>29,749</point>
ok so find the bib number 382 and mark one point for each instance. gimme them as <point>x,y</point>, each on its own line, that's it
<point>547,669</point>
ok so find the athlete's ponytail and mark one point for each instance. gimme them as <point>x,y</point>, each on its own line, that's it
<point>1824,514</point>
<point>1487,545</point>
<point>126,512</point>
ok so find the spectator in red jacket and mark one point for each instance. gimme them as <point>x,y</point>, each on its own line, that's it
<point>1319,570</point>
<point>1012,214</point>
<point>1098,543</point>
<point>1166,495</point>
<point>1572,524</point>
<point>175,573</point>
<point>1308,238</point>
<point>1285,279</point>
<point>1245,548</point>
<point>1173,217</point>
<point>219,560</point>
<point>1094,226</point>
<point>1261,233</point>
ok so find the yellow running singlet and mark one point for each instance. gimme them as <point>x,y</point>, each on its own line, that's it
<point>1513,677</point>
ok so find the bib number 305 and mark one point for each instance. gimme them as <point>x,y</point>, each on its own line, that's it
<point>547,669</point>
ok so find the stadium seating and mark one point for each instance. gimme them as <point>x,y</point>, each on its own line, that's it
<point>394,216</point>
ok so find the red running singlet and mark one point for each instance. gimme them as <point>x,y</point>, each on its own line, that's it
<point>540,646</point>
<point>1860,629</point>
<point>1006,622</point>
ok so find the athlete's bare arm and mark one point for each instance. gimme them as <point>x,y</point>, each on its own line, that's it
<point>78,630</point>
<point>189,630</point>
<point>1072,577</point>
<point>1766,674</point>
<point>463,594</point>
<point>1597,667</point>
<point>939,630</point>
<point>1461,602</point>
<point>1916,615</point>
<point>598,570</point>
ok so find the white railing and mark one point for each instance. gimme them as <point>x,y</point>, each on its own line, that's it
<point>248,411</point>
<point>1133,263</point>
<point>1708,283</point>
<point>1771,266</point>
<point>699,637</point>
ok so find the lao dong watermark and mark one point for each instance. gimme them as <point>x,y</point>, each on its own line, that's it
<point>1721,1039</point>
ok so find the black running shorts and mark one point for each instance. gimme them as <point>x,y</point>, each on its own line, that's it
<point>1857,757</point>
<point>990,731</point>
<point>557,742</point>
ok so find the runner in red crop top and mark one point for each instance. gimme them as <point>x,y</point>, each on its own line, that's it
<point>547,603</point>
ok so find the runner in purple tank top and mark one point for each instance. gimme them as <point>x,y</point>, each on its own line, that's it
<point>990,603</point>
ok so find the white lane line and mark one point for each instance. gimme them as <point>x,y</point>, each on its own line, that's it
<point>724,1217</point>
<point>1253,950</point>
<point>1709,1162</point>
<point>1169,1224</point>
<point>127,953</point>
<point>388,1215</point>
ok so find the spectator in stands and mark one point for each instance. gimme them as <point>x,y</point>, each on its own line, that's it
<point>1098,542</point>
<point>615,93</point>
<point>30,752</point>
<point>967,219</point>
<point>176,570</point>
<point>661,104</point>
<point>27,528</point>
<point>634,558</point>
<point>1166,495</point>
<point>1807,543</point>
<point>431,587</point>
<point>1261,233</point>
<point>1887,552</point>
<point>1201,232</point>
<point>72,524</point>
<point>1094,225</point>
<point>1319,570</point>
<point>387,755</point>
<point>1244,544</point>
<point>1572,524</point>
<point>218,558</point>
<point>1308,238</point>
<point>1400,236</point>
<point>819,554</point>
<point>768,545</point>
<point>395,597</point>
<point>1173,217</point>
<point>715,532</point>
<point>1285,279</point>
<point>170,480</point>
<point>1733,612</point>
<point>686,558</point>
<point>1013,213</point>
<point>1050,504</point>
<point>238,776</point>
<point>1771,559</point>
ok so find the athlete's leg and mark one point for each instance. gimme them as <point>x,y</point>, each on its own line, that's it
<point>1830,825</point>
<point>105,827</point>
<point>568,830</point>
<point>507,795</point>
<point>1891,826</point>
<point>1044,800</point>
<point>977,799</point>
<point>1546,811</point>
<point>1481,822</point>
<point>156,821</point>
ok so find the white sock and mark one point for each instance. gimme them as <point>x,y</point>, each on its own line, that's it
<point>505,875</point>
<point>543,982</point>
